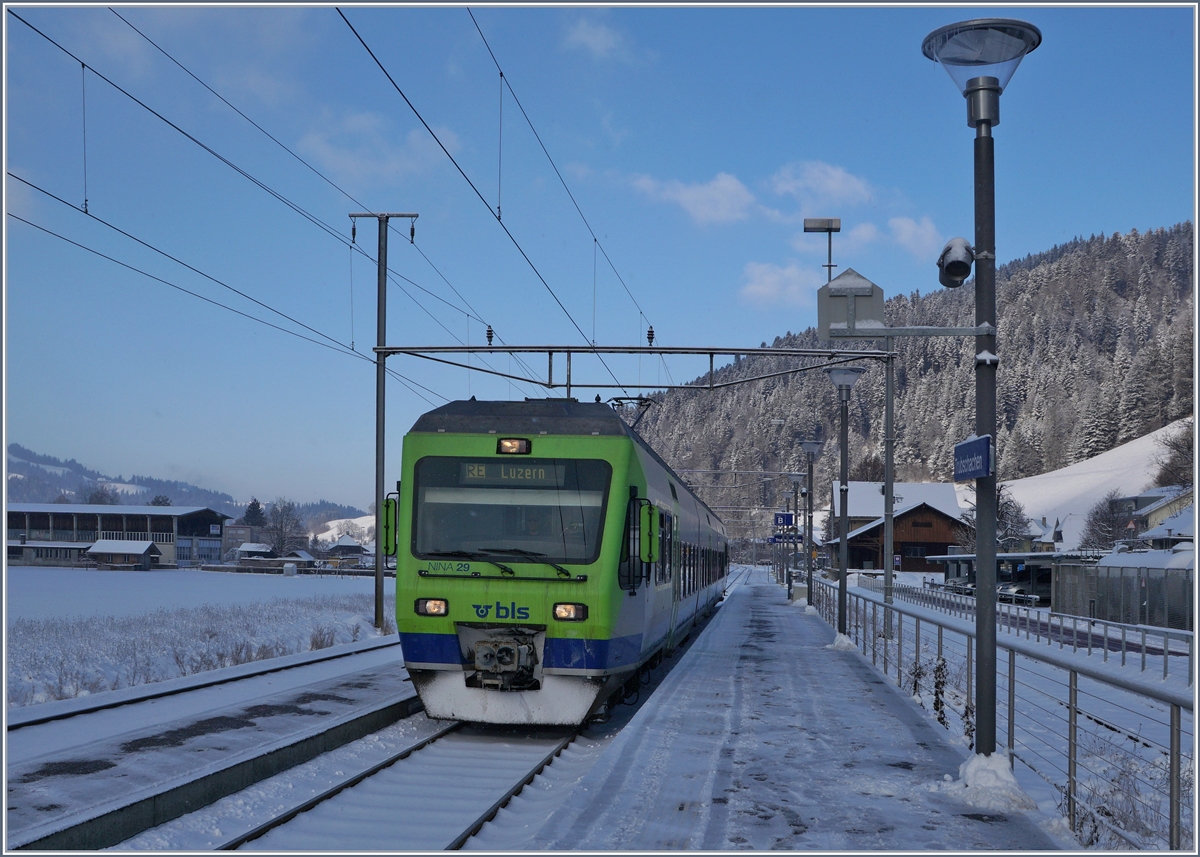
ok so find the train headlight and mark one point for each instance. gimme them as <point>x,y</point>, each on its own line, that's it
<point>432,607</point>
<point>570,612</point>
<point>513,446</point>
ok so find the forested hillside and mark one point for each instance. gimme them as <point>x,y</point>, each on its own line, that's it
<point>1095,344</point>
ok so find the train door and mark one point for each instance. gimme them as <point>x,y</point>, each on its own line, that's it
<point>677,558</point>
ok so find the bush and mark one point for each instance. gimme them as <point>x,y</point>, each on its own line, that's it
<point>51,659</point>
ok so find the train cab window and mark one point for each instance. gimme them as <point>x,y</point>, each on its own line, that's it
<point>531,510</point>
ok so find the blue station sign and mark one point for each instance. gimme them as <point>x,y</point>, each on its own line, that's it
<point>973,459</point>
<point>784,519</point>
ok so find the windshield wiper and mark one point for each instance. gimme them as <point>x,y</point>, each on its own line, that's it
<point>532,555</point>
<point>460,554</point>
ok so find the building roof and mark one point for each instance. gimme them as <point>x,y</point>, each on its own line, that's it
<point>44,544</point>
<point>101,509</point>
<point>254,547</point>
<point>301,555</point>
<point>346,541</point>
<point>865,499</point>
<point>1181,525</point>
<point>896,513</point>
<point>123,546</point>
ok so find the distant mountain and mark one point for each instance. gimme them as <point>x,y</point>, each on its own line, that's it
<point>37,478</point>
<point>1096,349</point>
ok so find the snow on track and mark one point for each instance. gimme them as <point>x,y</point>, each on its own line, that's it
<point>423,802</point>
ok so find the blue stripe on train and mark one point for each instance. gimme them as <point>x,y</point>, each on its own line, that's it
<point>558,653</point>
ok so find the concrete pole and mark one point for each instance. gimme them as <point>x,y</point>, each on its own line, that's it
<point>844,517</point>
<point>808,530</point>
<point>889,477</point>
<point>380,377</point>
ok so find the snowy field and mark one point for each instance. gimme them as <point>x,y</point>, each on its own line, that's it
<point>74,632</point>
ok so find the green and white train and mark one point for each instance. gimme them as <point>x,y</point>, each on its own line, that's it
<point>545,554</point>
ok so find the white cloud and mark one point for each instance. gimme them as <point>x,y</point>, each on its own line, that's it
<point>815,184</point>
<point>921,239</point>
<point>360,149</point>
<point>767,285</point>
<point>595,38</point>
<point>722,200</point>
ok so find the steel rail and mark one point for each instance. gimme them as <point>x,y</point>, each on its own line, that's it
<point>288,815</point>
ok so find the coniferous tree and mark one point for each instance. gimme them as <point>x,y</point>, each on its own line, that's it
<point>254,516</point>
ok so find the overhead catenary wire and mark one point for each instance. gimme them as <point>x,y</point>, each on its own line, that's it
<point>595,239</point>
<point>328,229</point>
<point>328,181</point>
<point>467,178</point>
<point>338,347</point>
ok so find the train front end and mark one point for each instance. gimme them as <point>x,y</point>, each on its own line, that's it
<point>509,529</point>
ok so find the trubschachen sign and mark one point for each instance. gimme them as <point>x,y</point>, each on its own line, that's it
<point>973,458</point>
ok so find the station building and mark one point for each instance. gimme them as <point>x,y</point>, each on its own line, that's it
<point>63,534</point>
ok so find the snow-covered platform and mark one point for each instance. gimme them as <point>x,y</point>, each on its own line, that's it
<point>763,736</point>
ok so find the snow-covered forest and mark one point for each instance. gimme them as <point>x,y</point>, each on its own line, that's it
<point>1095,340</point>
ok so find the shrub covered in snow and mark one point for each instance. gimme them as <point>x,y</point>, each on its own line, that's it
<point>62,658</point>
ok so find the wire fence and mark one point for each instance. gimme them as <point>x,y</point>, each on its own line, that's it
<point>1118,751</point>
<point>1151,647</point>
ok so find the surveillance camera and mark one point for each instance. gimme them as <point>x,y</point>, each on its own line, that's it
<point>954,264</point>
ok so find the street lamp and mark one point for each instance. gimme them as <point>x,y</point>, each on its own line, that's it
<point>981,56</point>
<point>843,378</point>
<point>812,449</point>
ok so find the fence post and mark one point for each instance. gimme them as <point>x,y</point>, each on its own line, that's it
<point>1012,706</point>
<point>1072,724</point>
<point>899,648</point>
<point>970,667</point>
<point>874,631</point>
<point>1176,775</point>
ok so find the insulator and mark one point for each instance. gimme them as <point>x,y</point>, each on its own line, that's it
<point>412,231</point>
<point>650,335</point>
<point>490,334</point>
<point>353,231</point>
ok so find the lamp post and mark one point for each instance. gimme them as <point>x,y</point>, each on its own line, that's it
<point>795,479</point>
<point>812,449</point>
<point>843,378</point>
<point>980,56</point>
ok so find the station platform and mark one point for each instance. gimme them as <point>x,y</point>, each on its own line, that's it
<point>764,736</point>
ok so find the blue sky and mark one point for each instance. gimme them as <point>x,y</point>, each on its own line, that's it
<point>694,141</point>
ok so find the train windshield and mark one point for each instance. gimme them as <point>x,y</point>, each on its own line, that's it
<point>526,510</point>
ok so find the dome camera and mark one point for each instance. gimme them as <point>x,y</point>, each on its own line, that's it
<point>955,263</point>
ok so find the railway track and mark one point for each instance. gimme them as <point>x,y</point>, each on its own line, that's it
<point>431,796</point>
<point>91,776</point>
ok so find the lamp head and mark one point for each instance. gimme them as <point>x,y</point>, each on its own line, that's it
<point>813,448</point>
<point>954,265</point>
<point>984,47</point>
<point>843,378</point>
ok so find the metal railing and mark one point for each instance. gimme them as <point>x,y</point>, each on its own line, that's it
<point>1118,750</point>
<point>1147,645</point>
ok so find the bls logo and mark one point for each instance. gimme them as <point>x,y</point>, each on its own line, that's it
<point>503,611</point>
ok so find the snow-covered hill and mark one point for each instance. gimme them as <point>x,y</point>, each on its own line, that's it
<point>1067,494</point>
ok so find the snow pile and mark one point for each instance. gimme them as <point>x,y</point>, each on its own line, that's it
<point>988,783</point>
<point>842,643</point>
